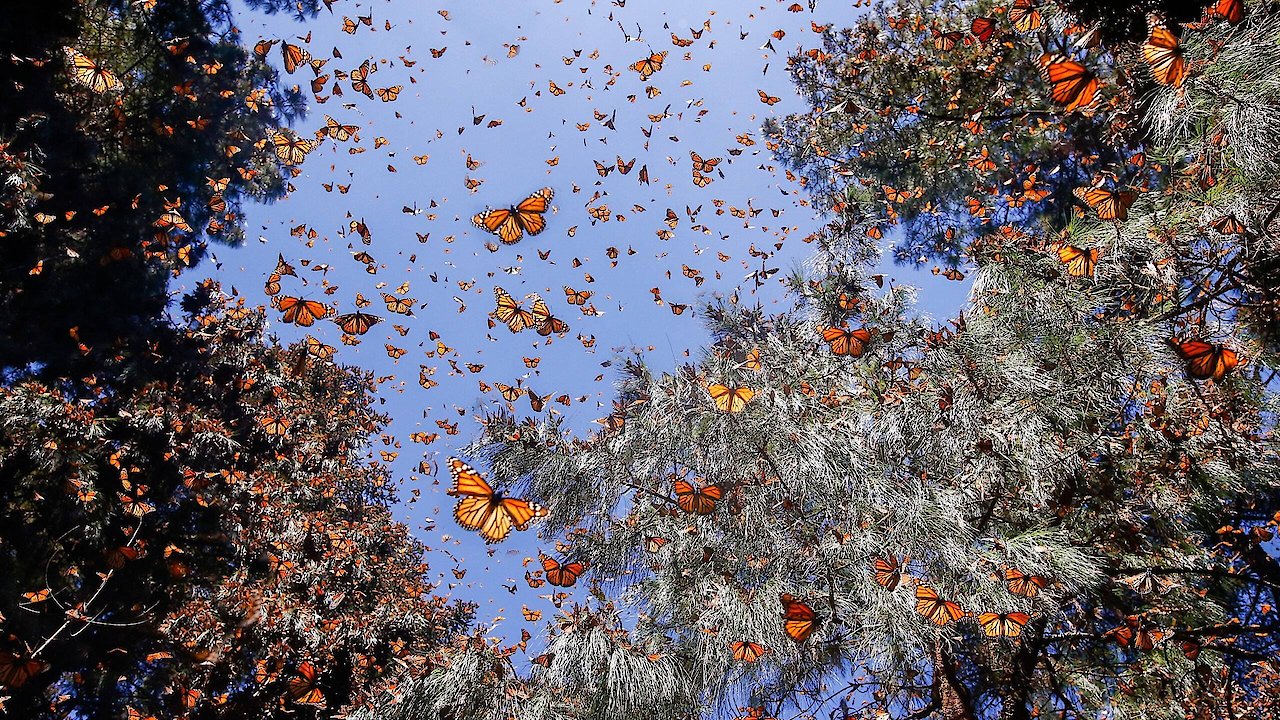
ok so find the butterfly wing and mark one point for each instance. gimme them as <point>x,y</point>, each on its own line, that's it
<point>467,482</point>
<point>936,610</point>
<point>1164,56</point>
<point>1071,84</point>
<point>887,572</point>
<point>799,620</point>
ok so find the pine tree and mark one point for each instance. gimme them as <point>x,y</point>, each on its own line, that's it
<point>1058,503</point>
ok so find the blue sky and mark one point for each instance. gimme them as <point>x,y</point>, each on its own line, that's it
<point>419,211</point>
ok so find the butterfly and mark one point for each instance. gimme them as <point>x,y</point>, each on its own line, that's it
<point>15,670</point>
<point>1080,263</point>
<point>983,28</point>
<point>89,73</point>
<point>623,166</point>
<point>798,619</point>
<point>886,572</point>
<point>650,65</point>
<point>301,312</point>
<point>1071,84</point>
<point>401,305</point>
<point>938,611</point>
<point>1137,633</point>
<point>701,501</point>
<point>744,651</point>
<point>510,224</point>
<point>338,131</point>
<point>360,79</point>
<point>389,94</point>
<point>302,688</point>
<point>1020,583</point>
<point>294,57</point>
<point>576,297</point>
<point>701,166</point>
<point>1024,15</point>
<point>1164,56</point>
<point>544,322</point>
<point>1003,624</point>
<point>356,323</point>
<point>730,399</point>
<point>291,149</point>
<point>561,574</point>
<point>1109,204</point>
<point>510,312</point>
<point>654,544</point>
<point>509,393</point>
<point>1230,10</point>
<point>480,508</point>
<point>768,99</point>
<point>844,341</point>
<point>1206,360</point>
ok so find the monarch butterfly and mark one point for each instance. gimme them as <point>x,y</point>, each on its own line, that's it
<point>798,619</point>
<point>1071,84</point>
<point>389,94</point>
<point>1020,583</point>
<point>844,341</point>
<point>701,501</point>
<point>17,669</point>
<point>624,167</point>
<point>1164,56</point>
<point>947,41</point>
<point>650,65</point>
<point>291,149</point>
<point>895,195</point>
<point>1079,262</point>
<point>1109,204</point>
<point>752,360</point>
<point>1229,225</point>
<point>401,305</point>
<point>886,572</point>
<point>603,170</point>
<point>510,224</point>
<point>744,651</point>
<point>338,131</point>
<point>510,394</point>
<point>768,99</point>
<point>1134,632</point>
<point>301,312</point>
<point>274,425</point>
<point>510,312</point>
<point>1024,15</point>
<point>701,180</point>
<point>356,323</point>
<point>302,687</point>
<point>730,399</point>
<point>294,57</point>
<point>983,28</point>
<point>654,544</point>
<point>561,574</point>
<point>360,79</point>
<point>576,297</point>
<point>1003,624</point>
<point>1230,10</point>
<point>172,220</point>
<point>544,322</point>
<point>1206,360</point>
<point>936,610</point>
<point>480,508</point>
<point>703,166</point>
<point>89,73</point>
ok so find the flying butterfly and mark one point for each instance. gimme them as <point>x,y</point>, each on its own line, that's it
<point>291,149</point>
<point>730,399</point>
<point>697,500</point>
<point>1206,360</point>
<point>936,610</point>
<point>561,574</point>
<point>768,99</point>
<point>89,73</point>
<point>510,224</point>
<point>1071,84</point>
<point>1025,15</point>
<point>294,57</point>
<point>1003,624</point>
<point>357,323</point>
<point>510,312</point>
<point>301,312</point>
<point>543,321</point>
<point>16,669</point>
<point>302,687</point>
<point>799,620</point>
<point>576,297</point>
<point>481,508</point>
<point>1164,56</point>
<point>650,65</point>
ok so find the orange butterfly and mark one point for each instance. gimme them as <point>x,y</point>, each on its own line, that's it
<point>844,341</point>
<point>576,297</point>
<point>89,73</point>
<point>294,57</point>
<point>650,65</point>
<point>1137,633</point>
<point>744,651</point>
<point>510,224</point>
<point>302,688</point>
<point>302,312</point>
<point>1020,583</point>
<point>730,399</point>
<point>701,501</point>
<point>1109,204</point>
<point>1003,624</point>
<point>291,149</point>
<point>983,28</point>
<point>654,544</point>
<point>886,572</point>
<point>1206,360</point>
<point>1024,15</point>
<point>1230,10</point>
<point>356,323</point>
<point>561,574</point>
<point>480,508</point>
<point>701,166</point>
<point>936,610</point>
<point>543,321</point>
<point>510,312</point>
<point>1080,263</point>
<point>1164,57</point>
<point>768,99</point>
<point>1071,84</point>
<point>17,669</point>
<point>798,619</point>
